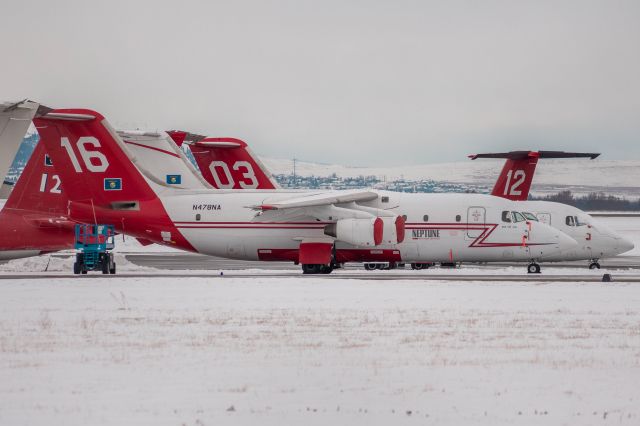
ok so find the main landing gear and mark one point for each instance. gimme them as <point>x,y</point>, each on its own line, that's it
<point>594,265</point>
<point>419,266</point>
<point>533,268</point>
<point>383,266</point>
<point>317,269</point>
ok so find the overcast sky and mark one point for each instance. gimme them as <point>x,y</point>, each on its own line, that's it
<point>350,82</point>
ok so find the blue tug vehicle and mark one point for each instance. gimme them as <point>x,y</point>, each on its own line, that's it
<point>94,244</point>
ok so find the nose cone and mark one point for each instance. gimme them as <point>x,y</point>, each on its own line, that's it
<point>625,245</point>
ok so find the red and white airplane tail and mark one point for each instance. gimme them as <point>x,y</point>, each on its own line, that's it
<point>39,187</point>
<point>517,173</point>
<point>100,179</point>
<point>226,163</point>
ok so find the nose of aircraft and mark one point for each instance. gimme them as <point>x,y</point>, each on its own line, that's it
<point>625,245</point>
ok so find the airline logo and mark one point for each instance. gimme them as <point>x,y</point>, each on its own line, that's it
<point>174,179</point>
<point>112,184</point>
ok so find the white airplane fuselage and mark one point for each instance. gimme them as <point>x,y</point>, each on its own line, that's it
<point>458,227</point>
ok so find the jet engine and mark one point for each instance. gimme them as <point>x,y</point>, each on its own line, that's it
<point>359,232</point>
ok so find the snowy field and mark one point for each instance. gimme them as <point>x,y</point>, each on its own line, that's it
<point>289,351</point>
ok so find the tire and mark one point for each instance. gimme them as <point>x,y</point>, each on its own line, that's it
<point>112,270</point>
<point>594,265</point>
<point>84,272</point>
<point>76,268</point>
<point>326,269</point>
<point>417,266</point>
<point>105,266</point>
<point>533,268</point>
<point>311,269</point>
<point>369,266</point>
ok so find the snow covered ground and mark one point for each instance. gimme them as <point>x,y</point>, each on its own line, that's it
<point>159,351</point>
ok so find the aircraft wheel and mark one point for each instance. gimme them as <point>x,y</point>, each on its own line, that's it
<point>594,265</point>
<point>533,268</point>
<point>311,269</point>
<point>369,266</point>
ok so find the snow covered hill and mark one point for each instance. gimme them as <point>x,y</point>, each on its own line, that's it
<point>613,176</point>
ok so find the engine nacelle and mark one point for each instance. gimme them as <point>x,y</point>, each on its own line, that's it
<point>393,229</point>
<point>359,232</point>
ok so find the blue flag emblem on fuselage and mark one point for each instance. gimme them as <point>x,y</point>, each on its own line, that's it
<point>174,179</point>
<point>112,184</point>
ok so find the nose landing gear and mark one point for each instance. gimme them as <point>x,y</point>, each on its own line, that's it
<point>533,268</point>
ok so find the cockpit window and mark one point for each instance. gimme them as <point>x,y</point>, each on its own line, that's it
<point>506,216</point>
<point>530,216</point>
<point>517,217</point>
<point>580,222</point>
<point>570,221</point>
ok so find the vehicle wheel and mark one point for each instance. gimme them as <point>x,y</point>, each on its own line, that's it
<point>112,271</point>
<point>105,266</point>
<point>325,269</point>
<point>533,268</point>
<point>417,266</point>
<point>311,269</point>
<point>381,266</point>
<point>369,266</point>
<point>594,265</point>
<point>84,272</point>
<point>76,268</point>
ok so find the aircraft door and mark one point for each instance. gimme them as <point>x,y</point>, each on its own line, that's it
<point>475,221</point>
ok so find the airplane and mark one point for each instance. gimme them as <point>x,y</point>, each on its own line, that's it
<point>15,118</point>
<point>595,240</point>
<point>34,219</point>
<point>317,229</point>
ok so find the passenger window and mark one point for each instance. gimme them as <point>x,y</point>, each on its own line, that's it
<point>517,217</point>
<point>458,218</point>
<point>506,216</point>
<point>385,199</point>
<point>198,216</point>
<point>570,221</point>
<point>425,218</point>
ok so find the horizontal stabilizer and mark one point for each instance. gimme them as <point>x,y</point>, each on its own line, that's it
<point>523,155</point>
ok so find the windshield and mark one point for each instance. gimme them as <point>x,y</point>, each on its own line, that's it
<point>581,221</point>
<point>530,216</point>
<point>517,217</point>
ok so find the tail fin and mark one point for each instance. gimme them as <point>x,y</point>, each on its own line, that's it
<point>15,119</point>
<point>100,178</point>
<point>93,162</point>
<point>39,187</point>
<point>160,156</point>
<point>227,163</point>
<point>517,173</point>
